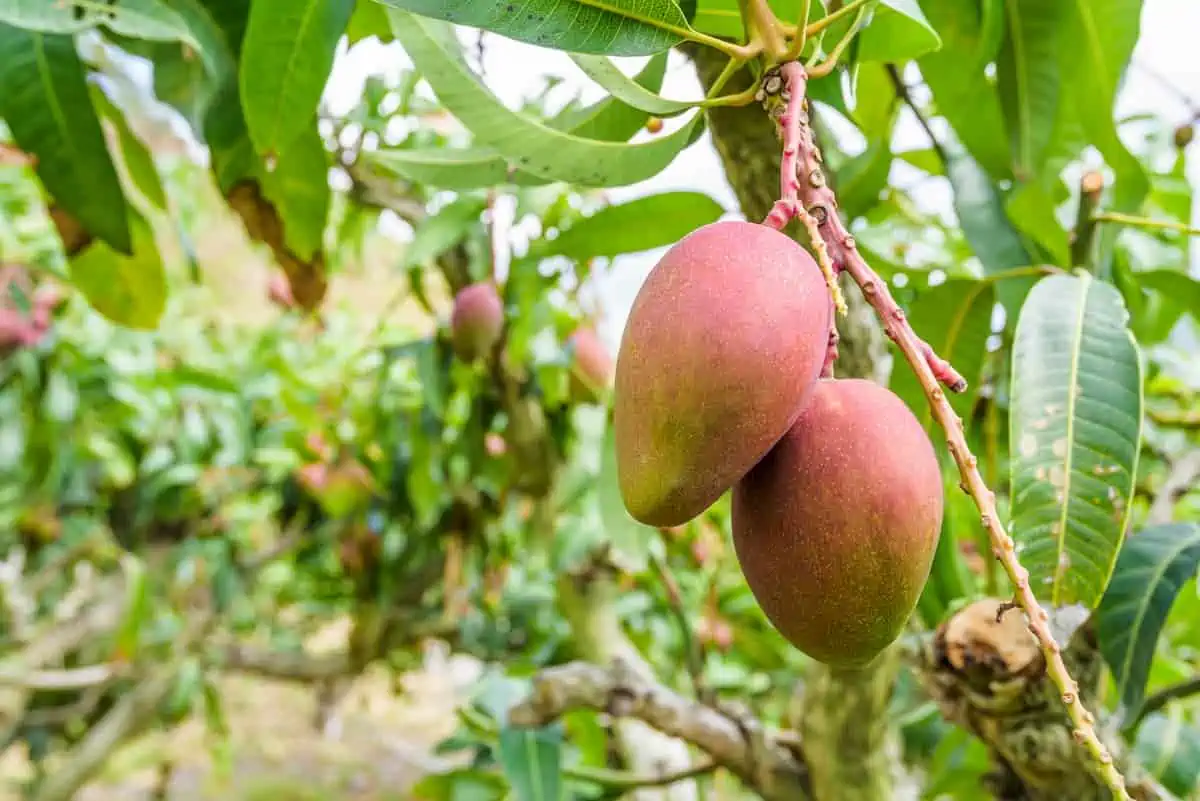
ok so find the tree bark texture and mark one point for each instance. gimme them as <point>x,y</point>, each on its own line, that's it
<point>846,740</point>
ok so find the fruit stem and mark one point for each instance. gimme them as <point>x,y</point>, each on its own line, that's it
<point>817,200</point>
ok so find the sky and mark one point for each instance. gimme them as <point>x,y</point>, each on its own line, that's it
<point>1165,70</point>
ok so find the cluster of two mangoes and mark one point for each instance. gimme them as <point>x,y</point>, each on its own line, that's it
<point>837,491</point>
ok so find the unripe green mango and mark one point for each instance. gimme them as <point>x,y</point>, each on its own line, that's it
<point>723,344</point>
<point>836,527</point>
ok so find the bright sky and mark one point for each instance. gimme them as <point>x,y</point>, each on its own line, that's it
<point>1165,55</point>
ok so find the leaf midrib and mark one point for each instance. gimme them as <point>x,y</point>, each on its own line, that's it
<point>1072,398</point>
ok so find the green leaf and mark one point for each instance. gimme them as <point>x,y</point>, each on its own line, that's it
<point>861,179</point>
<point>621,228</point>
<point>129,290</point>
<point>443,230</point>
<point>1168,746</point>
<point>460,784</point>
<point>299,188</point>
<point>141,19</point>
<point>981,213</point>
<point>137,607</point>
<point>600,27</point>
<point>1153,566</point>
<point>532,762</point>
<point>632,540</point>
<point>899,31</point>
<point>925,159</point>
<point>961,91</point>
<point>535,147</point>
<point>41,17</point>
<point>1028,77</point>
<point>1031,208</point>
<point>1179,287</point>
<point>369,19</point>
<point>48,108</point>
<point>626,89</point>
<point>1075,424</point>
<point>286,58</point>
<point>955,318</point>
<point>139,164</point>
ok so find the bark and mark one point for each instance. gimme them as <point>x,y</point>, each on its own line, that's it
<point>849,748</point>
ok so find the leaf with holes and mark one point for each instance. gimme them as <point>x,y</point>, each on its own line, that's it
<point>1075,424</point>
<point>48,108</point>
<point>621,228</point>
<point>1154,565</point>
<point>286,59</point>
<point>535,147</point>
<point>129,290</point>
<point>955,318</point>
<point>600,27</point>
<point>626,89</point>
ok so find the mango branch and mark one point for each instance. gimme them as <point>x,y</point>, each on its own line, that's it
<point>811,196</point>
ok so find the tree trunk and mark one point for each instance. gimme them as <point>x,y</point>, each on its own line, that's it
<point>849,747</point>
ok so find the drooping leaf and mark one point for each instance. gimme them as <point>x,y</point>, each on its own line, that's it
<point>532,762</point>
<point>621,228</point>
<point>134,153</point>
<point>1031,209</point>
<point>1029,79</point>
<point>286,59</point>
<point>534,147</point>
<point>46,104</point>
<point>1168,746</point>
<point>955,318</point>
<point>1075,422</point>
<point>898,31</point>
<point>961,91</point>
<point>599,27</point>
<point>298,187</point>
<point>981,213</point>
<point>130,290</point>
<point>626,89</point>
<point>1153,566</point>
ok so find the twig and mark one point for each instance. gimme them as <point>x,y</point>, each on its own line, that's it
<point>763,760</point>
<point>1165,696</point>
<point>1184,420</point>
<point>1145,222</point>
<point>1091,188</point>
<point>820,202</point>
<point>903,93</point>
<point>68,679</point>
<point>693,651</point>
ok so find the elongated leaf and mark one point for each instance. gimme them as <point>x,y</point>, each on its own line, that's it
<point>981,213</point>
<point>622,228</point>
<point>1154,565</point>
<point>137,610</point>
<point>286,58</point>
<point>299,188</point>
<point>899,31</point>
<point>961,90</point>
<point>45,102</point>
<point>1029,78</point>
<point>142,19</point>
<point>129,290</point>
<point>861,180</point>
<point>600,27</point>
<point>955,318</point>
<point>1168,746</point>
<point>1075,426</point>
<point>621,86</point>
<point>134,153</point>
<point>1031,208</point>
<point>532,762</point>
<point>148,19</point>
<point>535,147</point>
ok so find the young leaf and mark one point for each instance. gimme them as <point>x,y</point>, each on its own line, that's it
<point>47,106</point>
<point>129,290</point>
<point>535,147</point>
<point>955,318</point>
<point>1154,565</point>
<point>621,228</point>
<point>899,31</point>
<point>134,153</point>
<point>1075,426</point>
<point>1028,77</point>
<point>621,86</point>
<point>599,27</point>
<point>286,58</point>
<point>532,762</point>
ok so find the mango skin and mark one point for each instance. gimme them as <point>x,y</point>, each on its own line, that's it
<point>723,344</point>
<point>836,527</point>
<point>477,320</point>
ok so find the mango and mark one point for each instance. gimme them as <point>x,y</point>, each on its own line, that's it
<point>835,529</point>
<point>591,366</point>
<point>725,341</point>
<point>476,321</point>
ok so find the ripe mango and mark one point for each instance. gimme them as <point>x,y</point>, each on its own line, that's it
<point>724,342</point>
<point>476,321</point>
<point>836,527</point>
<point>591,366</point>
